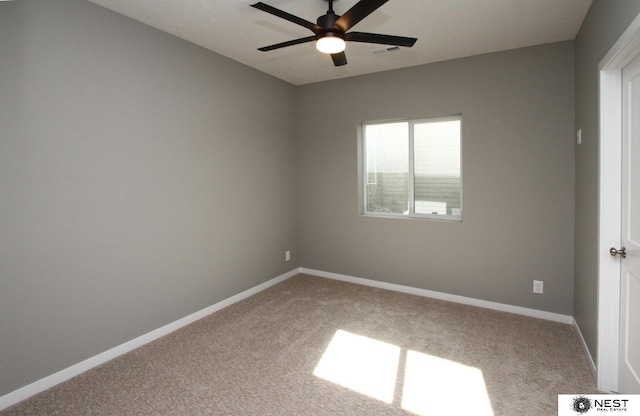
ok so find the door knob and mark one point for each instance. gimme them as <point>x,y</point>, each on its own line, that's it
<point>614,252</point>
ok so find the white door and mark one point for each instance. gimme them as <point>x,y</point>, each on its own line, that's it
<point>629,343</point>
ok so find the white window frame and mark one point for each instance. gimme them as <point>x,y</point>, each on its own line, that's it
<point>363,174</point>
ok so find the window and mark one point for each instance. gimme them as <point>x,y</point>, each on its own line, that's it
<point>413,168</point>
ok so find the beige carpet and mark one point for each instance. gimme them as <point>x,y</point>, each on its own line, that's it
<point>373,352</point>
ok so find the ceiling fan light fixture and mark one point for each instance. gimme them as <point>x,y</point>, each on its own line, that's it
<point>330,43</point>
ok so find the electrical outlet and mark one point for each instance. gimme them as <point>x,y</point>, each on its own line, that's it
<point>287,255</point>
<point>538,286</point>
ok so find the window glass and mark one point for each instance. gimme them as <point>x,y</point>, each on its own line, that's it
<point>387,167</point>
<point>437,167</point>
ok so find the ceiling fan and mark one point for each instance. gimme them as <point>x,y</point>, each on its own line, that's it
<point>331,30</point>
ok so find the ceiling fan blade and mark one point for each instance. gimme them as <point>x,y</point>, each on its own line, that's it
<point>362,9</point>
<point>288,43</point>
<point>381,39</point>
<point>339,59</point>
<point>287,16</point>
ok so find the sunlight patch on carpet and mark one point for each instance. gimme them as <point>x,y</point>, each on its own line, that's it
<point>431,385</point>
<point>435,386</point>
<point>362,364</point>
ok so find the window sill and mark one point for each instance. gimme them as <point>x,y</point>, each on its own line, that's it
<point>440,218</point>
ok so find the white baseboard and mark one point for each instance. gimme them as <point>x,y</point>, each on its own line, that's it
<point>76,369</point>
<point>592,364</point>
<point>550,316</point>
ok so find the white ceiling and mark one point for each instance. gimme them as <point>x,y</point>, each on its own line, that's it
<point>446,29</point>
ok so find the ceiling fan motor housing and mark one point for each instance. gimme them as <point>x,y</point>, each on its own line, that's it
<point>326,23</point>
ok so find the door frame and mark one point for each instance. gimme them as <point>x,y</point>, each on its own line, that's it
<point>610,69</point>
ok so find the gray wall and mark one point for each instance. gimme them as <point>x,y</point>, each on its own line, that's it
<point>603,25</point>
<point>142,179</point>
<point>518,178</point>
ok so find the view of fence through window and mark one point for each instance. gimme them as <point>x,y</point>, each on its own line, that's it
<point>413,168</point>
